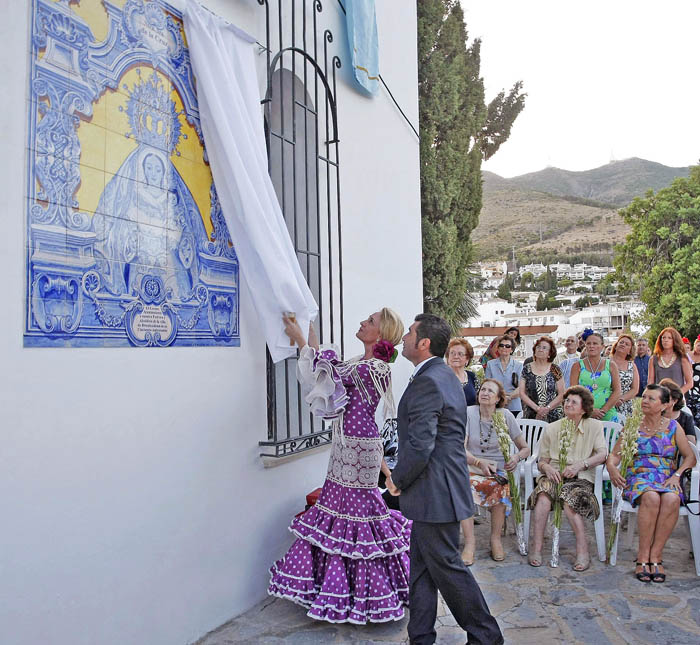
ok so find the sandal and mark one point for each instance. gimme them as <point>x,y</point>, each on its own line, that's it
<point>535,559</point>
<point>657,576</point>
<point>644,575</point>
<point>467,556</point>
<point>582,563</point>
<point>497,555</point>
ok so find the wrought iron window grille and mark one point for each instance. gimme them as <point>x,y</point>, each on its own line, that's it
<point>301,122</point>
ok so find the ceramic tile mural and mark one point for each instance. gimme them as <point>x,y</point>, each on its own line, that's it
<point>126,243</point>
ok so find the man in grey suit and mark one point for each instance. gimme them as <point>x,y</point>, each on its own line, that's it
<point>432,479</point>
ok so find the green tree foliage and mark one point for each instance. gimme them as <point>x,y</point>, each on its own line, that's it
<point>550,280</point>
<point>586,301</point>
<point>661,255</point>
<point>526,279</point>
<point>456,127</point>
<point>500,116</point>
<point>547,301</point>
<point>504,291</point>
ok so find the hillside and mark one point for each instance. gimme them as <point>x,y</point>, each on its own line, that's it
<point>616,183</point>
<point>513,217</point>
<point>570,213</point>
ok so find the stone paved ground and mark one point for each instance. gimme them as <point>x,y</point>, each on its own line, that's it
<point>604,605</point>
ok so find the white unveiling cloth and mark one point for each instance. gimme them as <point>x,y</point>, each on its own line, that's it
<point>223,63</point>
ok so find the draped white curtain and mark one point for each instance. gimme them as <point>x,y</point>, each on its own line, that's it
<point>223,62</point>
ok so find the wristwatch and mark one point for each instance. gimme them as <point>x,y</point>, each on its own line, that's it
<point>585,465</point>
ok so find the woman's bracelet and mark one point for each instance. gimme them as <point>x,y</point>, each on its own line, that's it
<point>477,463</point>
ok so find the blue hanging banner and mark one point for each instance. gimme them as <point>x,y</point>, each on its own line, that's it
<point>364,43</point>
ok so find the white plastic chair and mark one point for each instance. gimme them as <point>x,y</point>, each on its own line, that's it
<point>611,430</point>
<point>532,429</point>
<point>693,520</point>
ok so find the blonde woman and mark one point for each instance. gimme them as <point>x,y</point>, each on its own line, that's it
<point>349,537</point>
<point>623,353</point>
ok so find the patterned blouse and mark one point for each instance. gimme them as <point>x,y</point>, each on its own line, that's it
<point>542,390</point>
<point>624,408</point>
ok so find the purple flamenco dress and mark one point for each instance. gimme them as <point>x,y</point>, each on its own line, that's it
<point>349,562</point>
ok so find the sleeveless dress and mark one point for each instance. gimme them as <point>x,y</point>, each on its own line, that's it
<point>600,386</point>
<point>350,561</point>
<point>624,408</point>
<point>674,371</point>
<point>542,390</point>
<point>653,464</point>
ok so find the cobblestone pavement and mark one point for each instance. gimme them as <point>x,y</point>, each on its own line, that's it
<point>604,605</point>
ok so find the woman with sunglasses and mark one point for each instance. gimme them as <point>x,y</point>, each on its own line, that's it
<point>492,351</point>
<point>542,384</point>
<point>487,466</point>
<point>506,370</point>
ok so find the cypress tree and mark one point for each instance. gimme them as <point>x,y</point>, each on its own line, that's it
<point>456,133</point>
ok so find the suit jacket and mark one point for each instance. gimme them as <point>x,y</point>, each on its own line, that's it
<point>432,470</point>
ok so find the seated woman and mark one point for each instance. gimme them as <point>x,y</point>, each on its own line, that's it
<point>675,409</point>
<point>490,488</point>
<point>459,355</point>
<point>652,484</point>
<point>586,451</point>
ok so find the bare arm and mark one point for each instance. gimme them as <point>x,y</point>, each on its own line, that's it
<point>687,374</point>
<point>650,372</point>
<point>560,394</point>
<point>575,373</point>
<point>524,397</point>
<point>685,450</point>
<point>523,453</point>
<point>616,389</point>
<point>598,457</point>
<point>612,463</point>
<point>632,392</point>
<point>484,466</point>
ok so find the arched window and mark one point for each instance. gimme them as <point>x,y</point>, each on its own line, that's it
<point>301,128</point>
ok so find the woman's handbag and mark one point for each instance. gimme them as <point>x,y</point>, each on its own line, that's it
<point>685,493</point>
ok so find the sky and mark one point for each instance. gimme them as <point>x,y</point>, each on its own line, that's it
<point>606,80</point>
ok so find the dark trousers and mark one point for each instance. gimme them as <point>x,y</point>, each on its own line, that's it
<point>436,564</point>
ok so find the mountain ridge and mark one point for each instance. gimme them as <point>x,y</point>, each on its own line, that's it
<point>561,211</point>
<point>616,183</point>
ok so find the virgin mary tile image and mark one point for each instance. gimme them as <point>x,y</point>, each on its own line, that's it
<point>147,221</point>
<point>126,242</point>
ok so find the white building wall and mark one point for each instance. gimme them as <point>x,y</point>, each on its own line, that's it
<point>135,507</point>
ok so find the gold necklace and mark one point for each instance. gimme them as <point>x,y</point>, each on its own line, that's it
<point>649,431</point>
<point>664,364</point>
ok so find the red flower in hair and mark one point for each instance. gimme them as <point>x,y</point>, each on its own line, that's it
<point>384,351</point>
